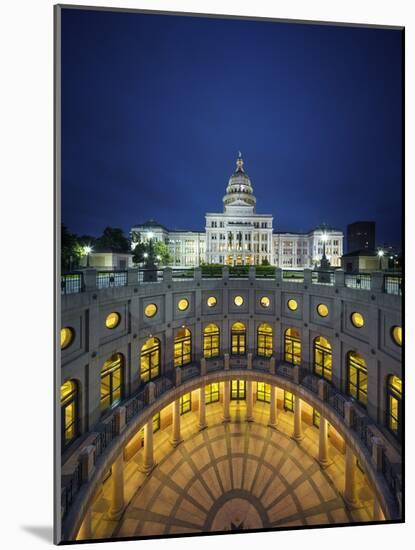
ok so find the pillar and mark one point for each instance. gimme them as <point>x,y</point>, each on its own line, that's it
<point>377,510</point>
<point>273,407</point>
<point>117,495</point>
<point>175,436</point>
<point>148,464</point>
<point>202,408</point>
<point>85,532</point>
<point>298,430</point>
<point>249,401</point>
<point>350,478</point>
<point>226,401</point>
<point>323,448</point>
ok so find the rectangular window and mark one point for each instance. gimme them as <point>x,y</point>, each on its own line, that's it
<point>288,401</point>
<point>212,393</point>
<point>263,392</point>
<point>185,403</point>
<point>156,422</point>
<point>238,390</point>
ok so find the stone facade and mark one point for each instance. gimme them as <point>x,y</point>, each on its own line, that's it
<point>241,236</point>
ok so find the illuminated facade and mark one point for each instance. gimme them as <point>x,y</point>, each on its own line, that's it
<point>148,367</point>
<point>241,236</point>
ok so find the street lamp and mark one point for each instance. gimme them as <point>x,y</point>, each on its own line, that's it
<point>380,256</point>
<point>87,251</point>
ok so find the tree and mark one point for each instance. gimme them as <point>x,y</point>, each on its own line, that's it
<point>113,239</point>
<point>71,249</point>
<point>265,262</point>
<point>154,251</point>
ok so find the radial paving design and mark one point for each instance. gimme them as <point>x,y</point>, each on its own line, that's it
<point>231,477</point>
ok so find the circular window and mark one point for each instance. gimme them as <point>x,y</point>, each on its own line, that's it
<point>292,304</point>
<point>150,310</point>
<point>211,301</point>
<point>67,335</point>
<point>183,304</point>
<point>264,301</point>
<point>397,335</point>
<point>113,320</point>
<point>238,301</point>
<point>358,319</point>
<point>322,310</point>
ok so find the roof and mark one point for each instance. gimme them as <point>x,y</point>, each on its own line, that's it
<point>151,223</point>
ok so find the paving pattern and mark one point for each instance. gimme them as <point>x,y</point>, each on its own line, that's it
<point>231,477</point>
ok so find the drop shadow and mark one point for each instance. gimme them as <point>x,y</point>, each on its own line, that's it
<point>42,532</point>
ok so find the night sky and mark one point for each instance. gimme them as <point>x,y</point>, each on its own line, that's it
<point>155,109</point>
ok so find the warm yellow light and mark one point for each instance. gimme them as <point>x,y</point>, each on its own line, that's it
<point>150,310</point>
<point>112,320</point>
<point>67,335</point>
<point>292,304</point>
<point>211,301</point>
<point>264,301</point>
<point>397,335</point>
<point>183,304</point>
<point>238,301</point>
<point>322,310</point>
<point>358,319</point>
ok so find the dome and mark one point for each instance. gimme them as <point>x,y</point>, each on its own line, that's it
<point>239,191</point>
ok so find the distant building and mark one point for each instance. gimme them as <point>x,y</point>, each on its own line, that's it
<point>364,260</point>
<point>361,236</point>
<point>241,236</point>
<point>107,259</point>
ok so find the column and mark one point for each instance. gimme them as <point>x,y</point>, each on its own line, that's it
<point>117,496</point>
<point>377,510</point>
<point>148,464</point>
<point>298,431</point>
<point>175,436</point>
<point>226,401</point>
<point>349,478</point>
<point>249,402</point>
<point>323,448</point>
<point>202,408</point>
<point>273,407</point>
<point>85,532</point>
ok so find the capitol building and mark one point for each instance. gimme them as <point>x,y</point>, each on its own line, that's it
<point>241,236</point>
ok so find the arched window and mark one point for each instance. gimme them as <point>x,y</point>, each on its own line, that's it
<point>150,360</point>
<point>183,347</point>
<point>292,346</point>
<point>69,412</point>
<point>238,339</point>
<point>111,382</point>
<point>323,358</point>
<point>264,340</point>
<point>357,377</point>
<point>394,405</point>
<point>211,341</point>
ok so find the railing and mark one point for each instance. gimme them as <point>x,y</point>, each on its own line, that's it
<point>211,272</point>
<point>285,371</point>
<point>393,284</point>
<point>336,400</point>
<point>360,281</point>
<point>293,276</point>
<point>72,283</point>
<point>150,275</point>
<point>360,425</point>
<point>109,279</point>
<point>104,437</point>
<point>238,272</point>
<point>322,278</point>
<point>71,488</point>
<point>107,431</point>
<point>392,477</point>
<point>180,274</point>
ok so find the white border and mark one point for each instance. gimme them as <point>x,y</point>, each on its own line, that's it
<point>27,250</point>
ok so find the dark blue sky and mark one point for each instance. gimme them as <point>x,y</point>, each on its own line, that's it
<point>156,107</point>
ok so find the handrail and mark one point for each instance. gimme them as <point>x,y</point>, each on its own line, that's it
<point>297,375</point>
